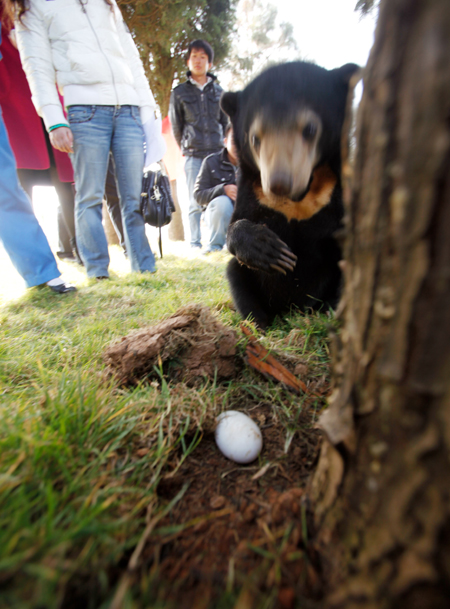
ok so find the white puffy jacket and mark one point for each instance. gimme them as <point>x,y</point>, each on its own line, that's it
<point>87,51</point>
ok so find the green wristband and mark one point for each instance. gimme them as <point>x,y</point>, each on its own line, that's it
<point>53,127</point>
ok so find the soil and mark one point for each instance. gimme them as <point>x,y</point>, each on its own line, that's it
<point>235,528</point>
<point>236,520</point>
<point>189,345</point>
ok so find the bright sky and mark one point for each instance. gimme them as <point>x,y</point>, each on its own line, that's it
<point>329,31</point>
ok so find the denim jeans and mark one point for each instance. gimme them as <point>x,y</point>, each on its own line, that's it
<point>97,130</point>
<point>217,217</point>
<point>20,232</point>
<point>191,169</point>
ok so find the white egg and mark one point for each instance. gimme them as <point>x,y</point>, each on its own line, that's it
<point>238,437</point>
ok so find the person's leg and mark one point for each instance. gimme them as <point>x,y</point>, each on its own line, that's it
<point>113,202</point>
<point>191,169</point>
<point>66,196</point>
<point>20,232</point>
<point>66,211</point>
<point>64,245</point>
<point>218,216</point>
<point>66,217</point>
<point>29,178</point>
<point>128,152</point>
<point>92,128</point>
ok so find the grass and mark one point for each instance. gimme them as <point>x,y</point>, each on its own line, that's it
<point>80,458</point>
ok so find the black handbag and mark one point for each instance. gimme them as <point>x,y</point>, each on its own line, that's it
<point>157,205</point>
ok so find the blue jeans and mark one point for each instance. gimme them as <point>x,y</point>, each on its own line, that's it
<point>191,169</point>
<point>97,130</point>
<point>20,232</point>
<point>218,216</point>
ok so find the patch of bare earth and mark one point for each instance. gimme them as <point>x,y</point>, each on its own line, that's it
<point>239,525</point>
<point>241,529</point>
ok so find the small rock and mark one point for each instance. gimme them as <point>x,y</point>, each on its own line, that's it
<point>217,502</point>
<point>286,598</point>
<point>141,452</point>
<point>301,370</point>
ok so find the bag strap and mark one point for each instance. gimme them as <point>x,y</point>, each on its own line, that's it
<point>164,173</point>
<point>160,243</point>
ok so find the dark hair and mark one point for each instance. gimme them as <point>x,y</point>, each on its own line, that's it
<point>204,46</point>
<point>11,6</point>
<point>227,129</point>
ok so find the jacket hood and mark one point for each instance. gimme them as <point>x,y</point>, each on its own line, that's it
<point>188,75</point>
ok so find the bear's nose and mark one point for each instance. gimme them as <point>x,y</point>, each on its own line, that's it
<point>280,183</point>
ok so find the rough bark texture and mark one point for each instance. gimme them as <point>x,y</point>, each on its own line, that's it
<point>110,231</point>
<point>382,486</point>
<point>176,230</point>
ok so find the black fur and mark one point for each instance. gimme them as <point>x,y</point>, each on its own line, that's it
<point>261,238</point>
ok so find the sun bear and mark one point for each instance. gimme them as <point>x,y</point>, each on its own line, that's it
<point>287,127</point>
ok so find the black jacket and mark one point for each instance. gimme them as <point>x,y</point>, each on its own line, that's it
<point>216,172</point>
<point>198,122</point>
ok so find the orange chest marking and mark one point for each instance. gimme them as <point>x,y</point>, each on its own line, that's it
<point>319,195</point>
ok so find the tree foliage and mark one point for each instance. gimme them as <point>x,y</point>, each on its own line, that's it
<point>261,40</point>
<point>163,29</point>
<point>366,6</point>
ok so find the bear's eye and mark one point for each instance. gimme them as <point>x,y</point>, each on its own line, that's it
<point>256,142</point>
<point>309,131</point>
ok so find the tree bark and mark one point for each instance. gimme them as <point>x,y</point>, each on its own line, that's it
<point>110,231</point>
<point>381,491</point>
<point>176,230</point>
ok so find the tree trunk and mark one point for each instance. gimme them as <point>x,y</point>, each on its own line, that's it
<point>381,491</point>
<point>110,231</point>
<point>176,230</point>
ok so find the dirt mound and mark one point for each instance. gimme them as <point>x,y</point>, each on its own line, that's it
<point>190,345</point>
<point>235,520</point>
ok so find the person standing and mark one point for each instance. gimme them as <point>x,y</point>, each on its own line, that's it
<point>85,48</point>
<point>198,122</point>
<point>20,232</point>
<point>37,162</point>
<point>215,190</point>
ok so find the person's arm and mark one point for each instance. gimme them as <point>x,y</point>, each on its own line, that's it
<point>205,189</point>
<point>149,111</point>
<point>37,61</point>
<point>176,118</point>
<point>147,102</point>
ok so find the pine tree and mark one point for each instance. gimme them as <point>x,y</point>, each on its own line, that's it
<point>162,30</point>
<point>261,41</point>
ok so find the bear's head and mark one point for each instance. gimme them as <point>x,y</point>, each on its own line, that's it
<point>287,122</point>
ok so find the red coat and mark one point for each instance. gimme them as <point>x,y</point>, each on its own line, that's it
<point>25,128</point>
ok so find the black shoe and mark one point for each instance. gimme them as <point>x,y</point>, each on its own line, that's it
<point>102,277</point>
<point>67,256</point>
<point>62,288</point>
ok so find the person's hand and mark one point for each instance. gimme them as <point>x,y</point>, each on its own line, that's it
<point>62,139</point>
<point>231,191</point>
<point>12,38</point>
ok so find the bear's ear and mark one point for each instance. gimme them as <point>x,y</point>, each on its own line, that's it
<point>229,103</point>
<point>345,73</point>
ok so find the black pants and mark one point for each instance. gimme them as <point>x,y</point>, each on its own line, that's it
<point>112,201</point>
<point>65,191</point>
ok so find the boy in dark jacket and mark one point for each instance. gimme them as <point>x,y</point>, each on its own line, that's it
<point>216,190</point>
<point>198,122</point>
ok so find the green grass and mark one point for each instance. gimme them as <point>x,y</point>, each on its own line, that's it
<point>80,458</point>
